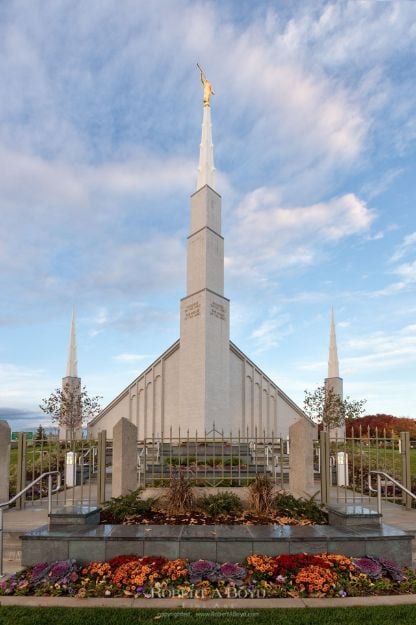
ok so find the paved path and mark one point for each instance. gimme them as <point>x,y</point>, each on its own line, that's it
<point>208,604</point>
<point>393,514</point>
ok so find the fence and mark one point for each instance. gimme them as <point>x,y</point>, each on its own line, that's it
<point>213,459</point>
<point>342,465</point>
<point>86,465</point>
<point>345,465</point>
<point>77,462</point>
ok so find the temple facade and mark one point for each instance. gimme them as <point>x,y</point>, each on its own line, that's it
<point>203,381</point>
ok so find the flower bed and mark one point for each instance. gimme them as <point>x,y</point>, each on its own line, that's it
<point>259,576</point>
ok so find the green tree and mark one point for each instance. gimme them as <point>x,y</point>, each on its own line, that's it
<point>40,433</point>
<point>71,407</point>
<point>326,407</point>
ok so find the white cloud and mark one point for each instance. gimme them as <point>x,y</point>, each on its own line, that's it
<point>23,387</point>
<point>406,246</point>
<point>405,271</point>
<point>269,235</point>
<point>128,358</point>
<point>271,331</point>
<point>373,352</point>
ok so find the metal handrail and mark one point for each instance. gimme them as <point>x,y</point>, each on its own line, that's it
<point>5,504</point>
<point>378,490</point>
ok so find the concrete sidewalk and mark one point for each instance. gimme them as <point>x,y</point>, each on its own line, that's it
<point>393,514</point>
<point>209,604</point>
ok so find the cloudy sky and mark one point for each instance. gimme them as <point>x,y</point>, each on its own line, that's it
<point>314,130</point>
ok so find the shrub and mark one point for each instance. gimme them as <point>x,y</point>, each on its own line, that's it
<point>179,498</point>
<point>220,504</point>
<point>288,505</point>
<point>128,505</point>
<point>261,494</point>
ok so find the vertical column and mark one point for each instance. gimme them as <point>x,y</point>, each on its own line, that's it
<point>101,459</point>
<point>21,469</point>
<point>124,458</point>
<point>406,476</point>
<point>301,435</point>
<point>5,434</point>
<point>325,468</point>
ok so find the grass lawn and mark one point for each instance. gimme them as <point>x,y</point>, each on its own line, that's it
<point>378,458</point>
<point>383,615</point>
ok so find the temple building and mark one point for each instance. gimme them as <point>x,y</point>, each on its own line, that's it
<point>203,381</point>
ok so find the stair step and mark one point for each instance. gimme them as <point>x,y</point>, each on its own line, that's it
<point>75,515</point>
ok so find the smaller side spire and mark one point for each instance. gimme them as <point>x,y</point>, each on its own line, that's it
<point>333,364</point>
<point>72,362</point>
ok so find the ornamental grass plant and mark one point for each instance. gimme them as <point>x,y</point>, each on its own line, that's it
<point>179,498</point>
<point>261,494</point>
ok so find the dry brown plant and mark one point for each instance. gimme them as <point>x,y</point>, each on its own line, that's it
<point>261,495</point>
<point>180,498</point>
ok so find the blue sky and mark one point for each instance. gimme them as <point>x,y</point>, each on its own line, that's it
<point>314,130</point>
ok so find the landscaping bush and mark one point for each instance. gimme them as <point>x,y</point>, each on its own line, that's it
<point>119,508</point>
<point>286,504</point>
<point>220,504</point>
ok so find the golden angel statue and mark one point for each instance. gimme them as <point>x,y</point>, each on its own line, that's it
<point>208,89</point>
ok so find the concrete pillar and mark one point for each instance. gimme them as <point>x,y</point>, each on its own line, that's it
<point>124,458</point>
<point>5,433</point>
<point>301,437</point>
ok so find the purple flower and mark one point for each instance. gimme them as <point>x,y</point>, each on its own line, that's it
<point>39,570</point>
<point>202,566</point>
<point>392,569</point>
<point>231,570</point>
<point>73,577</point>
<point>369,567</point>
<point>60,570</point>
<point>342,593</point>
<point>203,569</point>
<point>139,588</point>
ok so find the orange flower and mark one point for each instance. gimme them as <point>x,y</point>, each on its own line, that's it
<point>315,579</point>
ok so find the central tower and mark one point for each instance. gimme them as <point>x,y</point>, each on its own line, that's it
<point>204,366</point>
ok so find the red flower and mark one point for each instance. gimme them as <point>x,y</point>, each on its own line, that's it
<point>119,560</point>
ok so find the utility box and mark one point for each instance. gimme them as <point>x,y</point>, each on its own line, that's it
<point>342,469</point>
<point>71,469</point>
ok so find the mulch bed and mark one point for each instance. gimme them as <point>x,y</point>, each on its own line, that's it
<point>159,517</point>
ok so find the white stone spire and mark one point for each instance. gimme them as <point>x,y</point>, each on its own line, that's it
<point>72,362</point>
<point>333,364</point>
<point>206,169</point>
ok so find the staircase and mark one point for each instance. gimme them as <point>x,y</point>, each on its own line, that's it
<point>213,463</point>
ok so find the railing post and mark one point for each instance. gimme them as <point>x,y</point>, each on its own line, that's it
<point>49,494</point>
<point>101,459</point>
<point>325,468</point>
<point>378,491</point>
<point>406,477</point>
<point>1,542</point>
<point>5,434</point>
<point>21,469</point>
